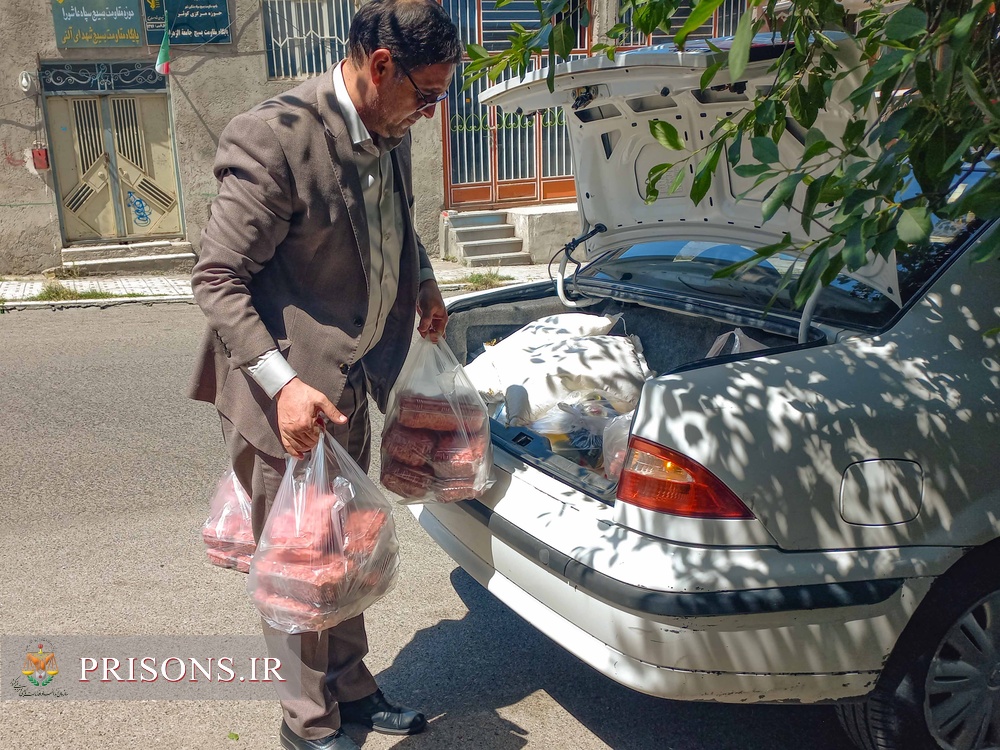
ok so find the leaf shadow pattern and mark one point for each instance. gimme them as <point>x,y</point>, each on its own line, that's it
<point>462,673</point>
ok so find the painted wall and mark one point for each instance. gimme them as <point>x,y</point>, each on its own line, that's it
<point>207,87</point>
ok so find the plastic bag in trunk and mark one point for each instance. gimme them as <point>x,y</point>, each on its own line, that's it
<point>436,442</point>
<point>576,430</point>
<point>616,434</point>
<point>328,550</point>
<point>228,530</point>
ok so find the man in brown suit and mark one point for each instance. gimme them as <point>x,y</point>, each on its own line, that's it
<point>312,277</point>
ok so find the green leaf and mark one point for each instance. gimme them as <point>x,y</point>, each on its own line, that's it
<point>906,23</point>
<point>563,39</point>
<point>914,225</point>
<point>751,170</point>
<point>975,92</point>
<point>813,193</point>
<point>853,132</point>
<point>820,147</point>
<point>677,181</point>
<point>553,7</point>
<point>666,134</point>
<point>765,112</point>
<point>617,30</point>
<point>703,11</point>
<point>780,194</point>
<point>709,74</point>
<point>739,52</point>
<point>475,52</point>
<point>653,178</point>
<point>232,736</point>
<point>764,150</point>
<point>811,275</point>
<point>703,174</point>
<point>735,152</point>
<point>854,247</point>
<point>814,135</point>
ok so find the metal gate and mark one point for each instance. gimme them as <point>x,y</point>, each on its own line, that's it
<point>501,158</point>
<point>114,166</point>
<point>494,159</point>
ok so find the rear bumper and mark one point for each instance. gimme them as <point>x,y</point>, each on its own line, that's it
<point>668,636</point>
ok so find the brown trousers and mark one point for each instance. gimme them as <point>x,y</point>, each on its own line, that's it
<point>331,663</point>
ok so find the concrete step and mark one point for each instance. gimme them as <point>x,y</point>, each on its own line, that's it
<point>503,259</point>
<point>133,250</point>
<point>141,264</point>
<point>467,219</point>
<point>490,247</point>
<point>485,232</point>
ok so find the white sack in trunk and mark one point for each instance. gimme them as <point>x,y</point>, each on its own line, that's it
<point>538,380</point>
<point>488,371</point>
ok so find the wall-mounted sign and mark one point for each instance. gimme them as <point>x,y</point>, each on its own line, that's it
<point>97,23</point>
<point>191,21</point>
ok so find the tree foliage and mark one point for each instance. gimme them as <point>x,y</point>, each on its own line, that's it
<point>924,108</point>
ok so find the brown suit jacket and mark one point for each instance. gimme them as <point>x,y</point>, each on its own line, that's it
<point>285,260</point>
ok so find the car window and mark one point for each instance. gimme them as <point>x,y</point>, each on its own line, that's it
<point>686,267</point>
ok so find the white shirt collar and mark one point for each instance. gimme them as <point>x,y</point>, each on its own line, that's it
<point>355,127</point>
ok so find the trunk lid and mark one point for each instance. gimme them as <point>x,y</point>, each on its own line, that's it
<point>609,105</point>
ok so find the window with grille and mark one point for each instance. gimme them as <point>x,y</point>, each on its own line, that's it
<point>303,38</point>
<point>723,24</point>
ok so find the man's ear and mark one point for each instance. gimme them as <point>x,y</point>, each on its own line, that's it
<point>380,65</point>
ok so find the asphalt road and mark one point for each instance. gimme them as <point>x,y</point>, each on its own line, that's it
<point>105,474</point>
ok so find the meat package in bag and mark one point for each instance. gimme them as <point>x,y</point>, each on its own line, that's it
<point>436,443</point>
<point>328,550</point>
<point>228,531</point>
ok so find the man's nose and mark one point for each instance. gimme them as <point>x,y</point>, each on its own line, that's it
<point>428,111</point>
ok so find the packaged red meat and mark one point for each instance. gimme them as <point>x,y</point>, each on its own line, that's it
<point>433,395</point>
<point>290,615</point>
<point>406,481</point>
<point>459,455</point>
<point>228,526</point>
<point>453,490</point>
<point>328,549</point>
<point>318,583</point>
<point>440,413</point>
<point>409,446</point>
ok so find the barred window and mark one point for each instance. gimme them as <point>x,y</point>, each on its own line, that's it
<point>722,24</point>
<point>303,38</point>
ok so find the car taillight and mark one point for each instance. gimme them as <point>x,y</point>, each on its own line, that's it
<point>658,478</point>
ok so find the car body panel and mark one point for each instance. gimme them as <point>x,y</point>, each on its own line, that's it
<point>927,391</point>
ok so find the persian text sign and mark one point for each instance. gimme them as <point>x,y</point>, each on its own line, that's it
<point>97,23</point>
<point>191,21</point>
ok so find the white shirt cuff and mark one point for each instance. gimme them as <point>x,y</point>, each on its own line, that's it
<point>271,371</point>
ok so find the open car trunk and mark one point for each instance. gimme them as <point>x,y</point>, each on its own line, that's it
<point>671,340</point>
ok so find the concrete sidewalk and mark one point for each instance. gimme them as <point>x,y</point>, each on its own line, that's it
<point>18,293</point>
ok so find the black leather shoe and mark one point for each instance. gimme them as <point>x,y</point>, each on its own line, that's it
<point>336,741</point>
<point>376,712</point>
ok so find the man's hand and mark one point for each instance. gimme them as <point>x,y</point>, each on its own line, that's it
<point>299,420</point>
<point>430,308</point>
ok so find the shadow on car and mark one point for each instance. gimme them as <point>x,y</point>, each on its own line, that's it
<point>462,672</point>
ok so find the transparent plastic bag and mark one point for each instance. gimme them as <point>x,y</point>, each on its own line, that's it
<point>436,443</point>
<point>576,430</point>
<point>228,530</point>
<point>329,549</point>
<point>616,444</point>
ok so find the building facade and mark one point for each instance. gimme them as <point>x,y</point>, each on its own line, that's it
<point>98,149</point>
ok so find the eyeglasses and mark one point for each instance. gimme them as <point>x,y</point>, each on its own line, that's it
<point>428,101</point>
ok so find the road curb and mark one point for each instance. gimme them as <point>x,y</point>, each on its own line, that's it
<point>12,305</point>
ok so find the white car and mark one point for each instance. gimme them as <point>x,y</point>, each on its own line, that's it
<point>814,521</point>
